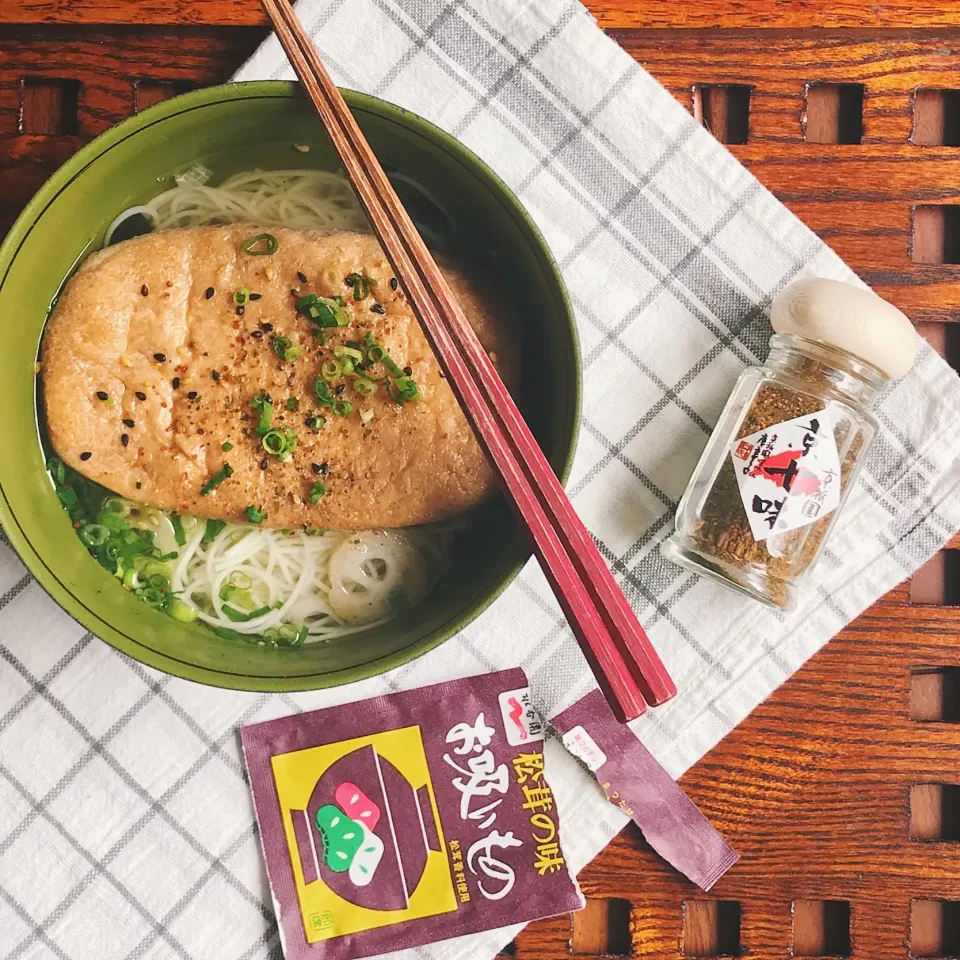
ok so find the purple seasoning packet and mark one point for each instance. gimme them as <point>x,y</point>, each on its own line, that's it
<point>408,818</point>
<point>638,785</point>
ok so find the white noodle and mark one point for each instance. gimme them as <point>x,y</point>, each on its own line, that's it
<point>290,572</point>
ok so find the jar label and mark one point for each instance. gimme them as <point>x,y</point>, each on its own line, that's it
<point>788,474</point>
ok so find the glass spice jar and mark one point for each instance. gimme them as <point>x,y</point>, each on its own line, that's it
<point>787,448</point>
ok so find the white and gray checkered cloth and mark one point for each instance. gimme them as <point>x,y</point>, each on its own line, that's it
<point>126,828</point>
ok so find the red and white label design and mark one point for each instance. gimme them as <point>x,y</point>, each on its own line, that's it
<point>584,748</point>
<point>788,474</point>
<point>520,721</point>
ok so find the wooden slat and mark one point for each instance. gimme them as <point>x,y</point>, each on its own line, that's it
<point>648,14</point>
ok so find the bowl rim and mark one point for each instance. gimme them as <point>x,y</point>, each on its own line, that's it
<point>72,169</point>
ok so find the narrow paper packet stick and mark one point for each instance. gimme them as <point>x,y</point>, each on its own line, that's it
<point>635,783</point>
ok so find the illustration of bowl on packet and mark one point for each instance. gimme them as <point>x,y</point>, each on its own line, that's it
<point>366,832</point>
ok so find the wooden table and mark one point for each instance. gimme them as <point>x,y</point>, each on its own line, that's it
<point>842,792</point>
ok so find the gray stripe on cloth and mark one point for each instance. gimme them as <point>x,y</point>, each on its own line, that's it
<point>40,927</point>
<point>97,747</point>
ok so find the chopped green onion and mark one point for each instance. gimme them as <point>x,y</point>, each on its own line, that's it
<point>225,633</point>
<point>320,335</point>
<point>178,533</point>
<point>159,581</point>
<point>224,473</point>
<point>57,470</point>
<point>408,389</point>
<point>324,311</point>
<point>241,296</point>
<point>293,403</point>
<point>153,596</point>
<point>280,444</point>
<point>180,611</point>
<point>264,404</point>
<point>342,408</point>
<point>366,416</point>
<point>167,557</point>
<point>239,616</point>
<point>361,284</point>
<point>268,240</point>
<point>344,351</point>
<point>317,491</point>
<point>212,530</point>
<point>332,370</point>
<point>255,514</point>
<point>316,423</point>
<point>284,348</point>
<point>364,386</point>
<point>94,534</point>
<point>226,447</point>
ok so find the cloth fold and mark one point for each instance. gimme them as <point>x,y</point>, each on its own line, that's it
<point>126,829</point>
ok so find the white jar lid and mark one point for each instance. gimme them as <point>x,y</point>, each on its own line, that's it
<point>851,318</point>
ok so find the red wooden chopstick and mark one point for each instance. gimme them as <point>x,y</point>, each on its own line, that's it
<point>620,654</point>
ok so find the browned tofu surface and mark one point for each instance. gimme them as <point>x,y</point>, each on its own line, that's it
<point>181,368</point>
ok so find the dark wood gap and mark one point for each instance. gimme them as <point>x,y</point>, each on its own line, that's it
<point>724,109</point>
<point>711,928</point>
<point>821,928</point>
<point>48,107</point>
<point>834,113</point>
<point>934,928</point>
<point>510,950</point>
<point>936,233</point>
<point>148,93</point>
<point>936,118</point>
<point>935,812</point>
<point>602,928</point>
<point>935,694</point>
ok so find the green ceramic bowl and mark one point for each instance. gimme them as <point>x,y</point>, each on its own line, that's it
<point>229,129</point>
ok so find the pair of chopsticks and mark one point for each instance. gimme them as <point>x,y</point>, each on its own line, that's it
<point>624,662</point>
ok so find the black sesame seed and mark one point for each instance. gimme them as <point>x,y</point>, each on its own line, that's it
<point>257,334</point>
<point>323,467</point>
<point>215,374</point>
<point>124,439</point>
<point>378,308</point>
<point>393,283</point>
<point>139,485</point>
<point>140,395</point>
<point>266,327</point>
<point>144,290</point>
<point>301,277</point>
<point>241,310</point>
<point>348,281</point>
<point>208,293</point>
<point>175,383</point>
<point>317,468</point>
<point>86,455</point>
<point>408,371</point>
<point>129,423</point>
<point>103,395</point>
<point>160,357</point>
<point>264,463</point>
<point>192,395</point>
<point>338,390</point>
<point>294,292</point>
<point>255,296</point>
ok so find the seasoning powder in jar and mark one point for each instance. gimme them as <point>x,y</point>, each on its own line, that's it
<point>791,439</point>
